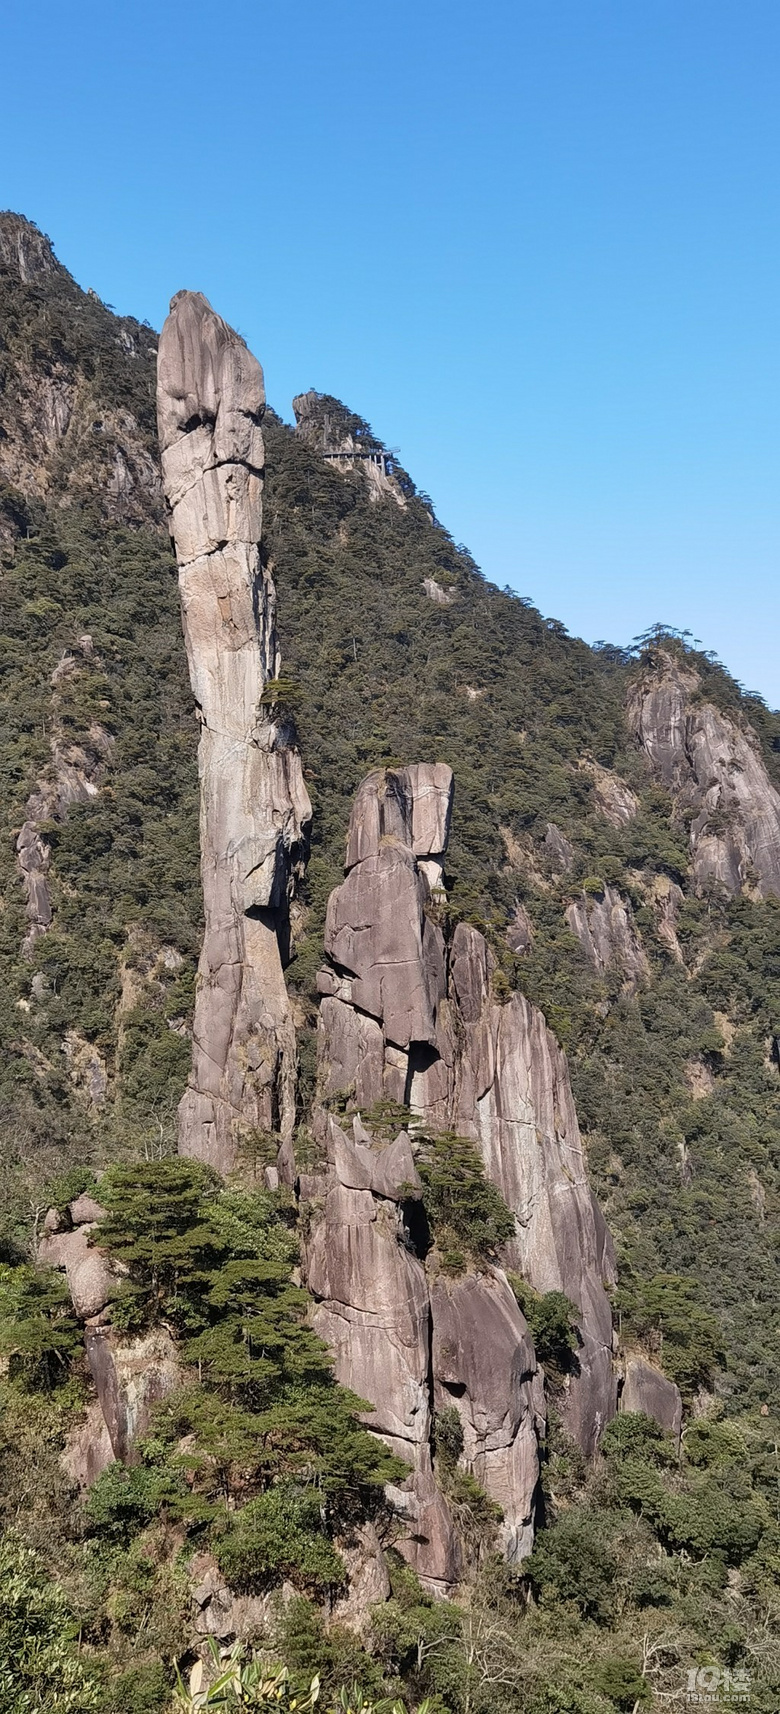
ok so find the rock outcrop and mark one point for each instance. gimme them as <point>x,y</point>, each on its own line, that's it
<point>254,807</point>
<point>130,1376</point>
<point>613,798</point>
<point>645,1389</point>
<point>605,928</point>
<point>408,1016</point>
<point>716,774</point>
<point>413,1344</point>
<point>348,443</point>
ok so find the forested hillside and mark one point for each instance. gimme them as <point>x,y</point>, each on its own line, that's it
<point>583,862</point>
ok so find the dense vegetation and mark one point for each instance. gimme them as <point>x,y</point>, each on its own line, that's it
<point>649,1563</point>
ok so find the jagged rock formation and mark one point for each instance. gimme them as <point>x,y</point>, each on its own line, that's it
<point>411,1345</point>
<point>715,770</point>
<point>254,806</point>
<point>645,1389</point>
<point>407,1016</point>
<point>605,928</point>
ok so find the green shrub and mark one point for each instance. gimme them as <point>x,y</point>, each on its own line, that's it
<point>41,1669</point>
<point>468,1215</point>
<point>280,1536</point>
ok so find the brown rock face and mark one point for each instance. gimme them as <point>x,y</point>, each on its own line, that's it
<point>645,1389</point>
<point>713,767</point>
<point>484,1366</point>
<point>254,807</point>
<point>130,1377</point>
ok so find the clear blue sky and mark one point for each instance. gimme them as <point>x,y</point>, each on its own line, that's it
<point>535,242</point>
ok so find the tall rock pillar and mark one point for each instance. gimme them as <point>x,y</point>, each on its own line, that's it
<point>254,808</point>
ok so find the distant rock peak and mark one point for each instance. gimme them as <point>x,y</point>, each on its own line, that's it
<point>24,249</point>
<point>714,769</point>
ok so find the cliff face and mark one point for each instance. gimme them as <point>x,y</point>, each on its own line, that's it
<point>254,809</point>
<point>406,1337</point>
<point>405,1016</point>
<point>408,1015</point>
<point>717,776</point>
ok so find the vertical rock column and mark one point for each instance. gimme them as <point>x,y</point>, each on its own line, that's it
<point>254,808</point>
<point>407,1016</point>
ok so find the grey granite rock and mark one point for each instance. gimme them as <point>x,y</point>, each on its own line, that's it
<point>714,768</point>
<point>605,927</point>
<point>647,1390</point>
<point>255,809</point>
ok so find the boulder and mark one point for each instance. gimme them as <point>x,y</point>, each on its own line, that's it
<point>85,1211</point>
<point>86,1268</point>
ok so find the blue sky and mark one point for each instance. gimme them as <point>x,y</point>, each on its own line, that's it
<point>535,242</point>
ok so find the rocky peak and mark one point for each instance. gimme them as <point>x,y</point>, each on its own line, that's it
<point>714,769</point>
<point>255,809</point>
<point>349,442</point>
<point>24,249</point>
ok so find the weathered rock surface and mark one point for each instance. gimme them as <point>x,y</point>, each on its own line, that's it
<point>86,1268</point>
<point>373,1308</point>
<point>559,849</point>
<point>409,1017</point>
<point>88,1450</point>
<point>218,1611</point>
<point>645,1389</point>
<point>130,1377</point>
<point>254,807</point>
<point>502,1079</point>
<point>714,768</point>
<point>484,1366</point>
<point>519,931</point>
<point>605,928</point>
<point>614,798</point>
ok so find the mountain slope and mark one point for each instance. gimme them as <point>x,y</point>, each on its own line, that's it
<point>621,871</point>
